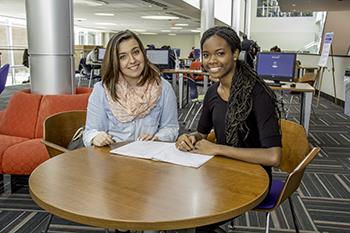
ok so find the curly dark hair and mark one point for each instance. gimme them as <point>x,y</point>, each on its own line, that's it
<point>240,102</point>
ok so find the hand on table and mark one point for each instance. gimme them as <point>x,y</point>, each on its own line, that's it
<point>186,142</point>
<point>205,147</point>
<point>147,137</point>
<point>102,139</point>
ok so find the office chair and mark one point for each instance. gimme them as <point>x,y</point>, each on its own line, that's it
<point>193,81</point>
<point>4,70</point>
<point>296,155</point>
<point>86,72</point>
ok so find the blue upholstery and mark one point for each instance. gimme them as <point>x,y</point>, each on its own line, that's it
<point>3,76</point>
<point>270,200</point>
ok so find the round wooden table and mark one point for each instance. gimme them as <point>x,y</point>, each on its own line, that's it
<point>92,186</point>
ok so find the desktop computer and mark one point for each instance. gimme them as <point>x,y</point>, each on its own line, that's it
<point>276,66</point>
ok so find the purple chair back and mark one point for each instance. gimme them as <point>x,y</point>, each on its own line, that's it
<point>3,76</point>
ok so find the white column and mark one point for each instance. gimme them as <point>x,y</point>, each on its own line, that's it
<point>207,15</point>
<point>50,46</point>
<point>236,15</point>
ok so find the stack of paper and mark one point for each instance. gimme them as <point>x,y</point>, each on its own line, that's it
<point>162,151</point>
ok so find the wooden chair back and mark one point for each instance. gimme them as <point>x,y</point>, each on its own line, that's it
<point>310,76</point>
<point>296,155</point>
<point>59,130</point>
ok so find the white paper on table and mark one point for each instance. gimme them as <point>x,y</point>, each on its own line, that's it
<point>162,151</point>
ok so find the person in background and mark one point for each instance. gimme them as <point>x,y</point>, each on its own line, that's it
<point>275,49</point>
<point>132,102</point>
<point>251,48</point>
<point>191,55</point>
<point>25,62</point>
<point>92,56</point>
<point>240,108</point>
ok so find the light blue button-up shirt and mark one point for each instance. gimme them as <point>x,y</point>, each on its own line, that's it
<point>161,121</point>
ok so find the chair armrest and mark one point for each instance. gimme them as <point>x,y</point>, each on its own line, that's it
<point>53,148</point>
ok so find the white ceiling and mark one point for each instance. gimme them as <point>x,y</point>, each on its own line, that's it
<point>314,5</point>
<point>127,14</point>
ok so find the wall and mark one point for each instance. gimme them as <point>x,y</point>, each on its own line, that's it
<point>338,22</point>
<point>184,42</point>
<point>289,33</point>
<point>340,64</point>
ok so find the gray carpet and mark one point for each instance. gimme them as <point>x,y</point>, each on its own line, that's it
<point>322,201</point>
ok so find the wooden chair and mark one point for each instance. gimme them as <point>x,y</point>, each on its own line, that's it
<point>296,155</point>
<point>59,130</point>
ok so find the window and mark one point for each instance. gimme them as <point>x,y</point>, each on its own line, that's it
<point>270,8</point>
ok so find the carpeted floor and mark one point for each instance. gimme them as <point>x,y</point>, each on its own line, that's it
<point>322,202</point>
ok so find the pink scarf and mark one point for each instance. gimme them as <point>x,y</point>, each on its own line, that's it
<point>133,101</point>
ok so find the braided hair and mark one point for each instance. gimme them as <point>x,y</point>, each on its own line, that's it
<point>240,102</point>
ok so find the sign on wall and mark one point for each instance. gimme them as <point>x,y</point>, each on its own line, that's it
<point>327,42</point>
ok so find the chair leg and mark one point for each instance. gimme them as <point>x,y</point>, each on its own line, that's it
<point>91,75</point>
<point>195,116</point>
<point>48,223</point>
<point>267,227</point>
<point>289,106</point>
<point>189,112</point>
<point>293,215</point>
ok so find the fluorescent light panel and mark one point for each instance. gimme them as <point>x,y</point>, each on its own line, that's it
<point>104,14</point>
<point>159,17</point>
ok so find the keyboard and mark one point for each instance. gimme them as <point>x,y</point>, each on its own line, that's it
<point>274,84</point>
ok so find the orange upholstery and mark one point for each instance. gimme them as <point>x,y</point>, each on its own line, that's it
<point>2,112</point>
<point>196,65</point>
<point>20,116</point>
<point>83,90</point>
<point>6,142</point>
<point>51,104</point>
<point>23,158</point>
<point>21,127</point>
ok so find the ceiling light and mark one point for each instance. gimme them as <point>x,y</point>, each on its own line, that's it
<point>293,5</point>
<point>104,14</point>
<point>195,31</point>
<point>159,17</point>
<point>175,27</point>
<point>91,2</point>
<point>106,24</point>
<point>138,30</point>
<point>181,24</point>
<point>165,30</point>
<point>172,34</point>
<point>149,33</point>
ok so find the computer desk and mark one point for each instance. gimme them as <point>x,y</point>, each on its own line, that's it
<point>306,91</point>
<point>93,187</point>
<point>179,74</point>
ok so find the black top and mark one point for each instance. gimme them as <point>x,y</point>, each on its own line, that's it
<point>262,122</point>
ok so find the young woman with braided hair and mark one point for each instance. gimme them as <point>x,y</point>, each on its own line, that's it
<point>240,108</point>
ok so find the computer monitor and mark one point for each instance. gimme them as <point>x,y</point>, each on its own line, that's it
<point>101,54</point>
<point>276,66</point>
<point>197,53</point>
<point>159,57</point>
